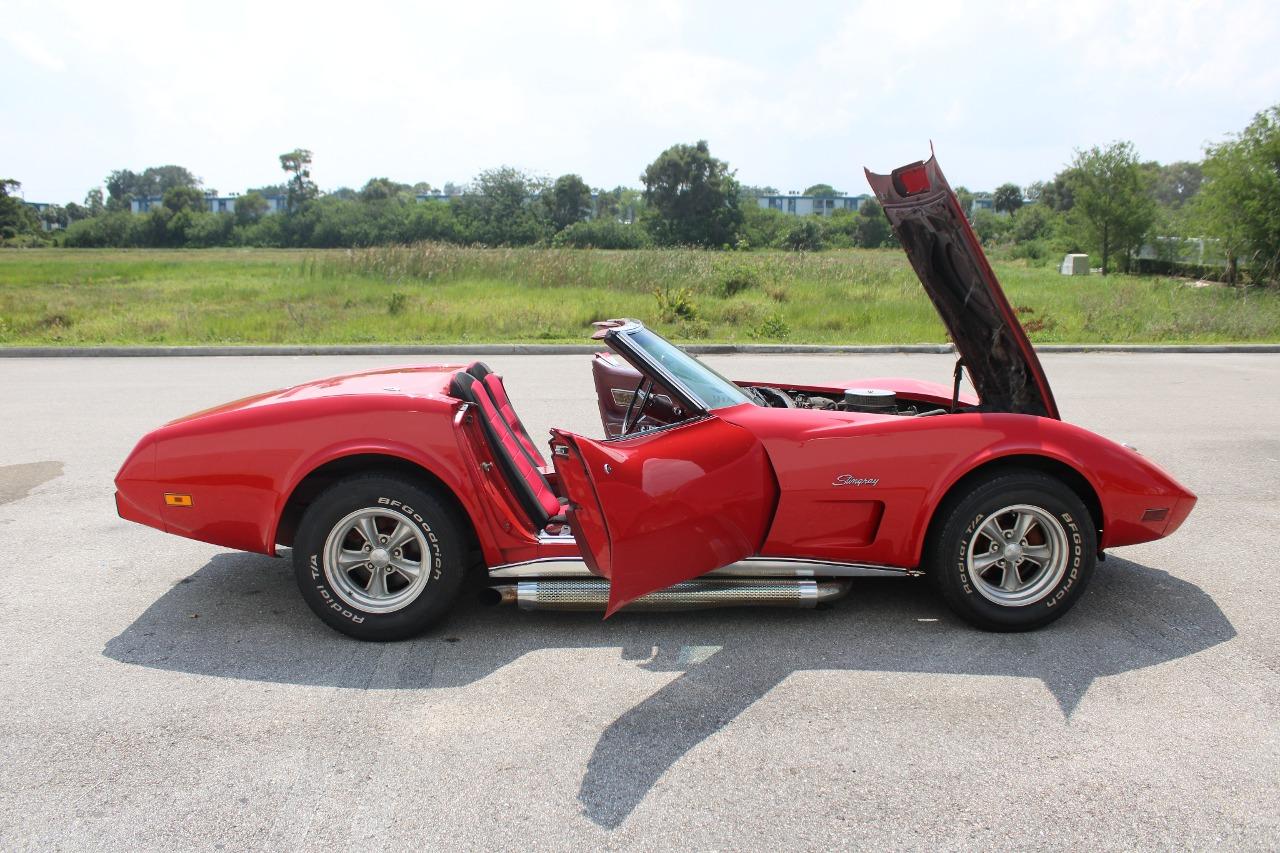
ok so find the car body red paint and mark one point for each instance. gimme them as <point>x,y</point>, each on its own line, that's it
<point>696,486</point>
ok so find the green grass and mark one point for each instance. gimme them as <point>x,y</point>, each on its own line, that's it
<point>447,294</point>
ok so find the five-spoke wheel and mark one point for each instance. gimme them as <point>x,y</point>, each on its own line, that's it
<point>379,557</point>
<point>1017,555</point>
<point>373,559</point>
<point>1012,550</point>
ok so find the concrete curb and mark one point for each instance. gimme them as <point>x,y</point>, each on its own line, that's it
<point>576,349</point>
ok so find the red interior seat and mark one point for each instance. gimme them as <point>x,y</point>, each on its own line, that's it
<point>498,393</point>
<point>518,467</point>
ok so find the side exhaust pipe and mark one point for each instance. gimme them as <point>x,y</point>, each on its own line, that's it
<point>593,594</point>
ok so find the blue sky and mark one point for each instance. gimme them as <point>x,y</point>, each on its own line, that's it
<point>790,94</point>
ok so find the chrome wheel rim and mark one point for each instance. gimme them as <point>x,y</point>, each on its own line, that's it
<point>374,560</point>
<point>1017,555</point>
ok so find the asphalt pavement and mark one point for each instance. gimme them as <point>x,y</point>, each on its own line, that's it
<point>159,693</point>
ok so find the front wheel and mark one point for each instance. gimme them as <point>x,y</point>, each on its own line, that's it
<point>1012,553</point>
<point>378,557</point>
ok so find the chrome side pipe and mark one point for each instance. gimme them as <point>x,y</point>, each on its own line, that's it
<point>593,594</point>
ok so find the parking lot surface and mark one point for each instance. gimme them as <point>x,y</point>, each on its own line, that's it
<point>163,693</point>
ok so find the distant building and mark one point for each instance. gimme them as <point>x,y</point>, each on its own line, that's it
<point>214,204</point>
<point>980,203</point>
<point>804,205</point>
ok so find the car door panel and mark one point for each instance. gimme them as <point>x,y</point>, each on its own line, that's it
<point>667,505</point>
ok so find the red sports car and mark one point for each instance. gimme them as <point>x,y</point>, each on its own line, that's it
<point>390,485</point>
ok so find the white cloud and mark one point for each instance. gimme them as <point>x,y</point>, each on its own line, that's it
<point>31,48</point>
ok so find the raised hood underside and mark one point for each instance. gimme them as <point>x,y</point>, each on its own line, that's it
<point>927,220</point>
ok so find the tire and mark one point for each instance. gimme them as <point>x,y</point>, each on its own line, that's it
<point>971,549</point>
<point>371,592</point>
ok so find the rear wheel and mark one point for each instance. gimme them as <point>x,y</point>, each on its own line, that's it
<point>1013,552</point>
<point>379,557</point>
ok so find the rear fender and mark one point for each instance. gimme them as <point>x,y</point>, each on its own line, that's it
<point>447,475</point>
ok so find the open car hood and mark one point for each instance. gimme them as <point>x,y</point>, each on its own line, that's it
<point>926,218</point>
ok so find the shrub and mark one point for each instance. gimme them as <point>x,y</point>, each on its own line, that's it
<point>773,327</point>
<point>602,234</point>
<point>805,236</point>
<point>675,304</point>
<point>764,227</point>
<point>736,280</point>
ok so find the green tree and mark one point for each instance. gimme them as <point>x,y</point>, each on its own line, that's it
<point>1057,193</point>
<point>177,199</point>
<point>382,189</point>
<point>94,203</point>
<point>158,180</point>
<point>692,198</point>
<point>965,196</point>
<point>989,227</point>
<point>76,212</point>
<point>250,207</point>
<point>873,226</point>
<point>1032,222</point>
<point>498,209</point>
<point>300,187</point>
<point>1112,206</point>
<point>822,191</point>
<point>805,235</point>
<point>1174,184</point>
<point>1007,198</point>
<point>567,201</point>
<point>123,185</point>
<point>1239,203</point>
<point>15,216</point>
<point>608,203</point>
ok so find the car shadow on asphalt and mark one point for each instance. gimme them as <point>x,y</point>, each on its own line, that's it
<point>240,617</point>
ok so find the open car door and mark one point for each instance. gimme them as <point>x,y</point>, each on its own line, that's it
<point>664,506</point>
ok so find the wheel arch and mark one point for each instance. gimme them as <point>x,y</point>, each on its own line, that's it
<point>1067,474</point>
<point>324,475</point>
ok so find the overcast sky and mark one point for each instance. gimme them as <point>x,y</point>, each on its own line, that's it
<point>790,94</point>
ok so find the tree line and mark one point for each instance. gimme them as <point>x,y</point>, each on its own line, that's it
<point>1107,201</point>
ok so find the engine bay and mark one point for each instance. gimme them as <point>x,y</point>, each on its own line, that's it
<point>874,401</point>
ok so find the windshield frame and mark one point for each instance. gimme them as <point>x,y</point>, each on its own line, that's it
<point>624,340</point>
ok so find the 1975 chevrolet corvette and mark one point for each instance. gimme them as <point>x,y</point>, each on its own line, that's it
<point>391,484</point>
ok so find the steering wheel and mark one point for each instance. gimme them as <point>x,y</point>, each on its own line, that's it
<point>645,389</point>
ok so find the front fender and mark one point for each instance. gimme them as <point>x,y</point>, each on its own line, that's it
<point>1139,501</point>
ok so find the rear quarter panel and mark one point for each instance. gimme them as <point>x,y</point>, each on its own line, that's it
<point>241,465</point>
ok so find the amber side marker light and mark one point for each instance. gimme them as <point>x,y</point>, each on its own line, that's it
<point>171,499</point>
<point>1156,514</point>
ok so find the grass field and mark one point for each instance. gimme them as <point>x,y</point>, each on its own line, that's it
<point>447,294</point>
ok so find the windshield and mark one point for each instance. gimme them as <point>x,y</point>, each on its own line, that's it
<point>708,386</point>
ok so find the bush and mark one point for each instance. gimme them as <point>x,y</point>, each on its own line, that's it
<point>805,236</point>
<point>675,303</point>
<point>602,234</point>
<point>764,227</point>
<point>991,227</point>
<point>736,280</point>
<point>774,327</point>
